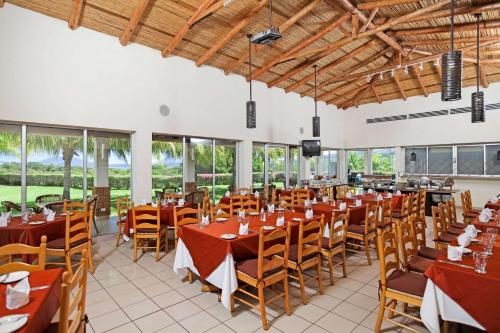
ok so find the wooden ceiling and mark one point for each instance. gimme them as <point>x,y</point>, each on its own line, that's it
<point>350,41</point>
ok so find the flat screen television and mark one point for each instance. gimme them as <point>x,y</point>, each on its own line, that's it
<point>311,148</point>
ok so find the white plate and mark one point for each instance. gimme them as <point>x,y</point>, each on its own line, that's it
<point>36,222</point>
<point>279,209</point>
<point>228,236</point>
<point>12,323</point>
<point>13,277</point>
<point>221,219</point>
<point>466,251</point>
<point>253,213</point>
<point>297,219</point>
<point>268,227</point>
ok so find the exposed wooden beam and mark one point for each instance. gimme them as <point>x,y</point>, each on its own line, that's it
<point>1,3</point>
<point>282,28</point>
<point>370,19</point>
<point>355,25</point>
<point>133,21</point>
<point>231,33</point>
<point>439,71</point>
<point>301,45</point>
<point>380,34</point>
<point>444,29</point>
<point>76,11</point>
<point>353,91</point>
<point>398,83</point>
<point>446,42</point>
<point>416,72</point>
<point>218,4</point>
<point>376,94</point>
<point>483,78</point>
<point>336,62</point>
<point>184,29</point>
<point>339,90</point>
<point>382,3</point>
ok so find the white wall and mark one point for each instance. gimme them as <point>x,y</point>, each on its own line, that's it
<point>53,75</point>
<point>451,129</point>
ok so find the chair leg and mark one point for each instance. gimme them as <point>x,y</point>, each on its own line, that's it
<point>262,305</point>
<point>344,265</point>
<point>393,305</point>
<point>231,303</point>
<point>166,242</point>
<point>69,265</point>
<point>135,249</point>
<point>367,251</point>
<point>330,268</point>
<point>90,259</point>
<point>318,269</point>
<point>158,240</point>
<point>380,316</point>
<point>286,296</point>
<point>118,234</point>
<point>302,286</point>
<point>190,276</point>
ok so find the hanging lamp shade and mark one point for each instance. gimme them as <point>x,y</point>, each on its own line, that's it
<point>251,106</point>
<point>316,120</point>
<point>451,80</point>
<point>477,102</point>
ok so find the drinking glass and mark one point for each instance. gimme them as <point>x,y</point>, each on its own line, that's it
<point>480,261</point>
<point>488,244</point>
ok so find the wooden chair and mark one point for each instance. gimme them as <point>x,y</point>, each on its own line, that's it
<point>47,198</point>
<point>396,285</point>
<point>92,202</point>
<point>221,211</point>
<point>246,190</point>
<point>268,269</point>
<point>385,214</point>
<point>411,261</point>
<point>72,316</point>
<point>335,243</point>
<point>414,204</point>
<point>183,217</point>
<point>441,237</point>
<point>365,232</point>
<point>78,238</point>
<point>468,212</point>
<point>251,206</point>
<point>418,230</point>
<point>341,192</point>
<point>237,202</point>
<point>326,191</point>
<point>205,207</point>
<point>173,196</point>
<point>10,251</point>
<point>286,202</point>
<point>451,211</point>
<point>147,227</point>
<point>402,214</point>
<point>422,202</point>
<point>306,254</point>
<point>299,196</point>
<point>122,207</point>
<point>72,206</point>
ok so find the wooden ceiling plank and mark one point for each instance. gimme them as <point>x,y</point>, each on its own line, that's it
<point>446,42</point>
<point>76,11</point>
<point>354,91</point>
<point>338,90</point>
<point>208,11</point>
<point>416,72</point>
<point>483,78</point>
<point>443,29</point>
<point>398,83</point>
<point>382,3</point>
<point>282,28</point>
<point>301,45</point>
<point>133,21</point>
<point>2,3</point>
<point>370,19</point>
<point>355,25</point>
<point>184,29</point>
<point>376,94</point>
<point>230,34</point>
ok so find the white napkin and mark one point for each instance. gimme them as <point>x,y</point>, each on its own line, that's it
<point>7,215</point>
<point>205,220</point>
<point>389,195</point>
<point>220,211</point>
<point>307,203</point>
<point>325,199</point>
<point>154,204</point>
<point>19,295</point>
<point>398,192</point>
<point>463,240</point>
<point>3,221</point>
<point>51,217</point>
<point>455,253</point>
<point>343,206</point>
<point>243,229</point>
<point>370,191</point>
<point>241,213</point>
<point>314,201</point>
<point>256,194</point>
<point>380,197</point>
<point>493,200</point>
<point>243,192</point>
<point>370,214</point>
<point>348,195</point>
<point>270,208</point>
<point>484,218</point>
<point>488,212</point>
<point>471,231</point>
<point>358,203</point>
<point>45,211</point>
<point>179,193</point>
<point>228,194</point>
<point>280,221</point>
<point>309,214</point>
<point>181,202</point>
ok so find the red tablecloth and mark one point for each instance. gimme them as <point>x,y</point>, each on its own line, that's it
<point>483,226</point>
<point>166,217</point>
<point>43,303</point>
<point>208,250</point>
<point>493,205</point>
<point>477,294</point>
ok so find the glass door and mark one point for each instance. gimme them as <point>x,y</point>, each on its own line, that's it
<point>293,166</point>
<point>225,168</point>
<point>167,164</point>
<point>276,165</point>
<point>10,168</point>
<point>258,165</point>
<point>199,165</point>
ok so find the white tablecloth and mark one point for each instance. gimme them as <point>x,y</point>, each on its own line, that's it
<point>436,303</point>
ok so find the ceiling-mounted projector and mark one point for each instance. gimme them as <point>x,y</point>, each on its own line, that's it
<point>267,36</point>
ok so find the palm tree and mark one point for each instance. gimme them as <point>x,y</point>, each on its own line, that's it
<point>356,162</point>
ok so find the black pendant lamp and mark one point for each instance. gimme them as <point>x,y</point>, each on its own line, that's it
<point>451,86</point>
<point>477,114</point>
<point>251,106</point>
<point>316,121</point>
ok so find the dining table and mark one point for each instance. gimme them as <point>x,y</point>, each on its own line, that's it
<point>43,303</point>
<point>456,293</point>
<point>166,217</point>
<point>31,231</point>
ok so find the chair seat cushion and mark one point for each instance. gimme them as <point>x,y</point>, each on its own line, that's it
<point>446,238</point>
<point>419,264</point>
<point>325,245</point>
<point>293,254</point>
<point>151,230</point>
<point>429,252</point>
<point>249,267</point>
<point>459,225</point>
<point>60,242</point>
<point>471,214</point>
<point>385,223</point>
<point>407,282</point>
<point>358,229</point>
<point>454,231</point>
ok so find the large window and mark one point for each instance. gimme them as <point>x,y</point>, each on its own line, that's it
<point>277,166</point>
<point>167,163</point>
<point>280,168</point>
<point>355,161</point>
<point>10,168</point>
<point>383,161</point>
<point>416,160</point>
<point>492,159</point>
<point>225,167</point>
<point>258,165</point>
<point>326,164</point>
<point>470,160</point>
<point>294,166</point>
<point>440,160</point>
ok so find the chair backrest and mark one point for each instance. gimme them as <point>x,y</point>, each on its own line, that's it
<point>72,206</point>
<point>146,217</point>
<point>299,196</point>
<point>386,212</point>
<point>286,202</point>
<point>414,209</point>
<point>326,191</point>
<point>246,190</point>
<point>9,206</point>
<point>311,243</point>
<point>422,203</point>
<point>77,228</point>
<point>341,191</point>
<point>451,210</point>
<point>277,252</point>
<point>49,198</point>
<point>73,296</point>
<point>221,210</point>
<point>173,196</point>
<point>418,231</point>
<point>466,201</point>
<point>371,218</point>
<point>185,216</point>
<point>9,251</point>
<point>251,206</point>
<point>122,206</point>
<point>406,241</point>
<point>93,207</point>
<point>387,247</point>
<point>405,205</point>
<point>237,201</point>
<point>338,229</point>
<point>438,221</point>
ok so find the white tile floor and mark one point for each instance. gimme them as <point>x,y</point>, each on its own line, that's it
<point>147,296</point>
